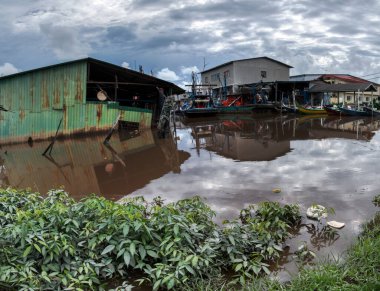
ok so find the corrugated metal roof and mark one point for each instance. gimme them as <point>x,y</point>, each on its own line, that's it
<point>230,62</point>
<point>349,87</point>
<point>131,73</point>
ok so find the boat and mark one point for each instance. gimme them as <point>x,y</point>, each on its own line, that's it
<point>201,106</point>
<point>354,111</point>
<point>290,108</point>
<point>311,110</point>
<point>332,110</point>
<point>371,111</point>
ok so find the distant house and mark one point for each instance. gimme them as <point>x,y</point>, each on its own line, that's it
<point>340,88</point>
<point>84,95</point>
<point>235,75</point>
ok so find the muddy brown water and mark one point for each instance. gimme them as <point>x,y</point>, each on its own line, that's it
<point>230,161</point>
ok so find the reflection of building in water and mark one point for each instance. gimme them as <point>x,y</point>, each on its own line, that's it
<point>85,166</point>
<point>347,127</point>
<point>244,140</point>
<point>266,138</point>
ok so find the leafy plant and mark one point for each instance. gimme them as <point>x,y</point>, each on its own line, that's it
<point>56,243</point>
<point>376,200</point>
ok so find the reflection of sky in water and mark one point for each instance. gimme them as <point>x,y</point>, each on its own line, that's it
<point>338,173</point>
<point>232,164</point>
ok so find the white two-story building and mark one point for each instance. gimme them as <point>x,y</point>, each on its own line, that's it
<point>235,75</point>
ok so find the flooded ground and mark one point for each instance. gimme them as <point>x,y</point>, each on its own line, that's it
<point>231,161</point>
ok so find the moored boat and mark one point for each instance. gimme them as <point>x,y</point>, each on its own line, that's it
<point>354,112</point>
<point>311,110</point>
<point>332,110</point>
<point>372,111</point>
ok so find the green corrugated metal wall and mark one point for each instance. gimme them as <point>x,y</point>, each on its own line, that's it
<point>40,98</point>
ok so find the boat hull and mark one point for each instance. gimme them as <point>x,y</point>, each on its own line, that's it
<point>200,112</point>
<point>371,112</point>
<point>304,110</point>
<point>353,112</point>
<point>332,111</point>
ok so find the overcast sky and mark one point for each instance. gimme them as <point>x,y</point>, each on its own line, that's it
<point>172,38</point>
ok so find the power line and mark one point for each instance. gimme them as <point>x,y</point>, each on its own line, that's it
<point>370,74</point>
<point>374,78</point>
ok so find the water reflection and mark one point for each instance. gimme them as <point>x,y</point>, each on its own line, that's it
<point>86,165</point>
<point>232,162</point>
<point>267,138</point>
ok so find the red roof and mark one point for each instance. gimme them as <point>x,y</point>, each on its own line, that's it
<point>346,78</point>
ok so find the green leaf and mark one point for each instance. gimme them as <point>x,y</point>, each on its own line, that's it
<point>156,285</point>
<point>127,258</point>
<point>142,252</point>
<point>194,261</point>
<point>37,247</point>
<point>125,229</point>
<point>169,246</point>
<point>152,254</point>
<point>238,267</point>
<point>107,249</point>
<point>190,269</point>
<point>232,240</point>
<point>266,270</point>
<point>176,229</point>
<point>132,248</point>
<point>27,251</point>
<point>171,284</point>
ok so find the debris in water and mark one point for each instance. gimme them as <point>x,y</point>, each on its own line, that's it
<point>316,212</point>
<point>335,224</point>
<point>276,190</point>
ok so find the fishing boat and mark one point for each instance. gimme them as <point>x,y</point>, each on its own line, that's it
<point>371,111</point>
<point>354,111</point>
<point>200,106</point>
<point>311,110</point>
<point>234,104</point>
<point>332,110</point>
<point>290,108</point>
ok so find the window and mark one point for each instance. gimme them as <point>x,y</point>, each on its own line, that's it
<point>226,73</point>
<point>263,74</point>
<point>215,77</point>
<point>348,98</point>
<point>206,80</point>
<point>366,98</point>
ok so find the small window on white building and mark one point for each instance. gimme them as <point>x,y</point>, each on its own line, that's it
<point>206,80</point>
<point>366,98</point>
<point>263,74</point>
<point>348,98</point>
<point>215,77</point>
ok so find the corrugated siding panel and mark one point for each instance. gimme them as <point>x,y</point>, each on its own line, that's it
<point>40,99</point>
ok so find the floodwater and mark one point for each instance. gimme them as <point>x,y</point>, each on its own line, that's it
<point>231,161</point>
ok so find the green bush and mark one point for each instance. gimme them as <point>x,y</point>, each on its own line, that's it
<point>55,243</point>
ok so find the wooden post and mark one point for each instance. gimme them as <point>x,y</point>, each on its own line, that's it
<point>106,140</point>
<point>50,147</point>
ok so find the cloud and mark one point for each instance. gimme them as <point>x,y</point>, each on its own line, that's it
<point>65,42</point>
<point>166,34</point>
<point>168,75</point>
<point>125,65</point>
<point>189,70</point>
<point>8,69</point>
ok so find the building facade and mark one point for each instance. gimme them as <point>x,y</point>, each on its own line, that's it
<point>76,97</point>
<point>235,75</point>
<point>340,92</point>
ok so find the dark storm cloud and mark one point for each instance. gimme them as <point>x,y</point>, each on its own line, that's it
<point>312,36</point>
<point>121,34</point>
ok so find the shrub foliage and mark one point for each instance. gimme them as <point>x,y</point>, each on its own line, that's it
<point>56,243</point>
